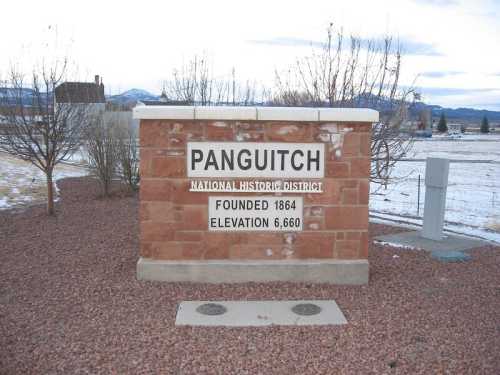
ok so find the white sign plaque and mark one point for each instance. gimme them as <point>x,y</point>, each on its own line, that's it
<point>255,160</point>
<point>273,214</point>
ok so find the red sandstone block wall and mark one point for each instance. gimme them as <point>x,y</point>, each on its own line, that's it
<point>174,221</point>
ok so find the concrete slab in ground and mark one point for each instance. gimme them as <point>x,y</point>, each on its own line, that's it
<point>413,240</point>
<point>451,256</point>
<point>259,313</point>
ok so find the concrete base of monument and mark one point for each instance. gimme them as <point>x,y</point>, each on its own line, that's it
<point>331,271</point>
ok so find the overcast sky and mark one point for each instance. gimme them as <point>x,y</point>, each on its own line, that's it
<point>452,46</point>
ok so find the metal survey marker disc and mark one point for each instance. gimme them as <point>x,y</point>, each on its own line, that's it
<point>211,309</point>
<point>306,309</point>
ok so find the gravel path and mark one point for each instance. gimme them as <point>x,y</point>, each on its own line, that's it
<point>69,303</point>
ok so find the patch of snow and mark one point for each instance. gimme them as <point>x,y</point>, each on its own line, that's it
<point>330,128</point>
<point>289,238</point>
<point>337,140</point>
<point>478,147</point>
<point>175,152</point>
<point>3,202</point>
<point>220,124</point>
<point>21,182</point>
<point>324,137</point>
<point>473,195</point>
<point>314,226</point>
<point>288,129</point>
<point>397,245</point>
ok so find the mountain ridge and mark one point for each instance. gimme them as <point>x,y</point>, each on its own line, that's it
<point>461,113</point>
<point>130,97</point>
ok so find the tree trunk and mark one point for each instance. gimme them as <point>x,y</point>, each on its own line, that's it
<point>50,194</point>
<point>106,187</point>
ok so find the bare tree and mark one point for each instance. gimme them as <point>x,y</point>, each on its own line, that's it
<point>35,128</point>
<point>128,155</point>
<point>354,72</point>
<point>102,144</point>
<point>191,83</point>
<point>194,83</point>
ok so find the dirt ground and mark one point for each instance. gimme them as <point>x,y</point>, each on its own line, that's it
<point>70,304</point>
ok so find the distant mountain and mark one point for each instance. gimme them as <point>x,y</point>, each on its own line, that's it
<point>464,114</point>
<point>131,96</point>
<point>468,114</point>
<point>11,96</point>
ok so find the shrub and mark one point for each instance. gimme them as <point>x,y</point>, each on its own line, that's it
<point>442,127</point>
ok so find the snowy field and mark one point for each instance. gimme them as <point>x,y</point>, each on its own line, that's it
<point>22,184</point>
<point>473,196</point>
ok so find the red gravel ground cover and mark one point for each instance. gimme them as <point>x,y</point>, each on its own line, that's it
<point>70,303</point>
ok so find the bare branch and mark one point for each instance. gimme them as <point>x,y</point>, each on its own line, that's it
<point>359,73</point>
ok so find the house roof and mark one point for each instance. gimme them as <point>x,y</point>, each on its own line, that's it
<point>80,92</point>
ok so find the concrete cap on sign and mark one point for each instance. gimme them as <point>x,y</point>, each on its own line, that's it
<point>225,113</point>
<point>255,113</point>
<point>287,114</point>
<point>164,112</point>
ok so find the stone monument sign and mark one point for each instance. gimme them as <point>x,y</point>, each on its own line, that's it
<point>237,194</point>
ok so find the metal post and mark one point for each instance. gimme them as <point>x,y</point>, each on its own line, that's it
<point>436,182</point>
